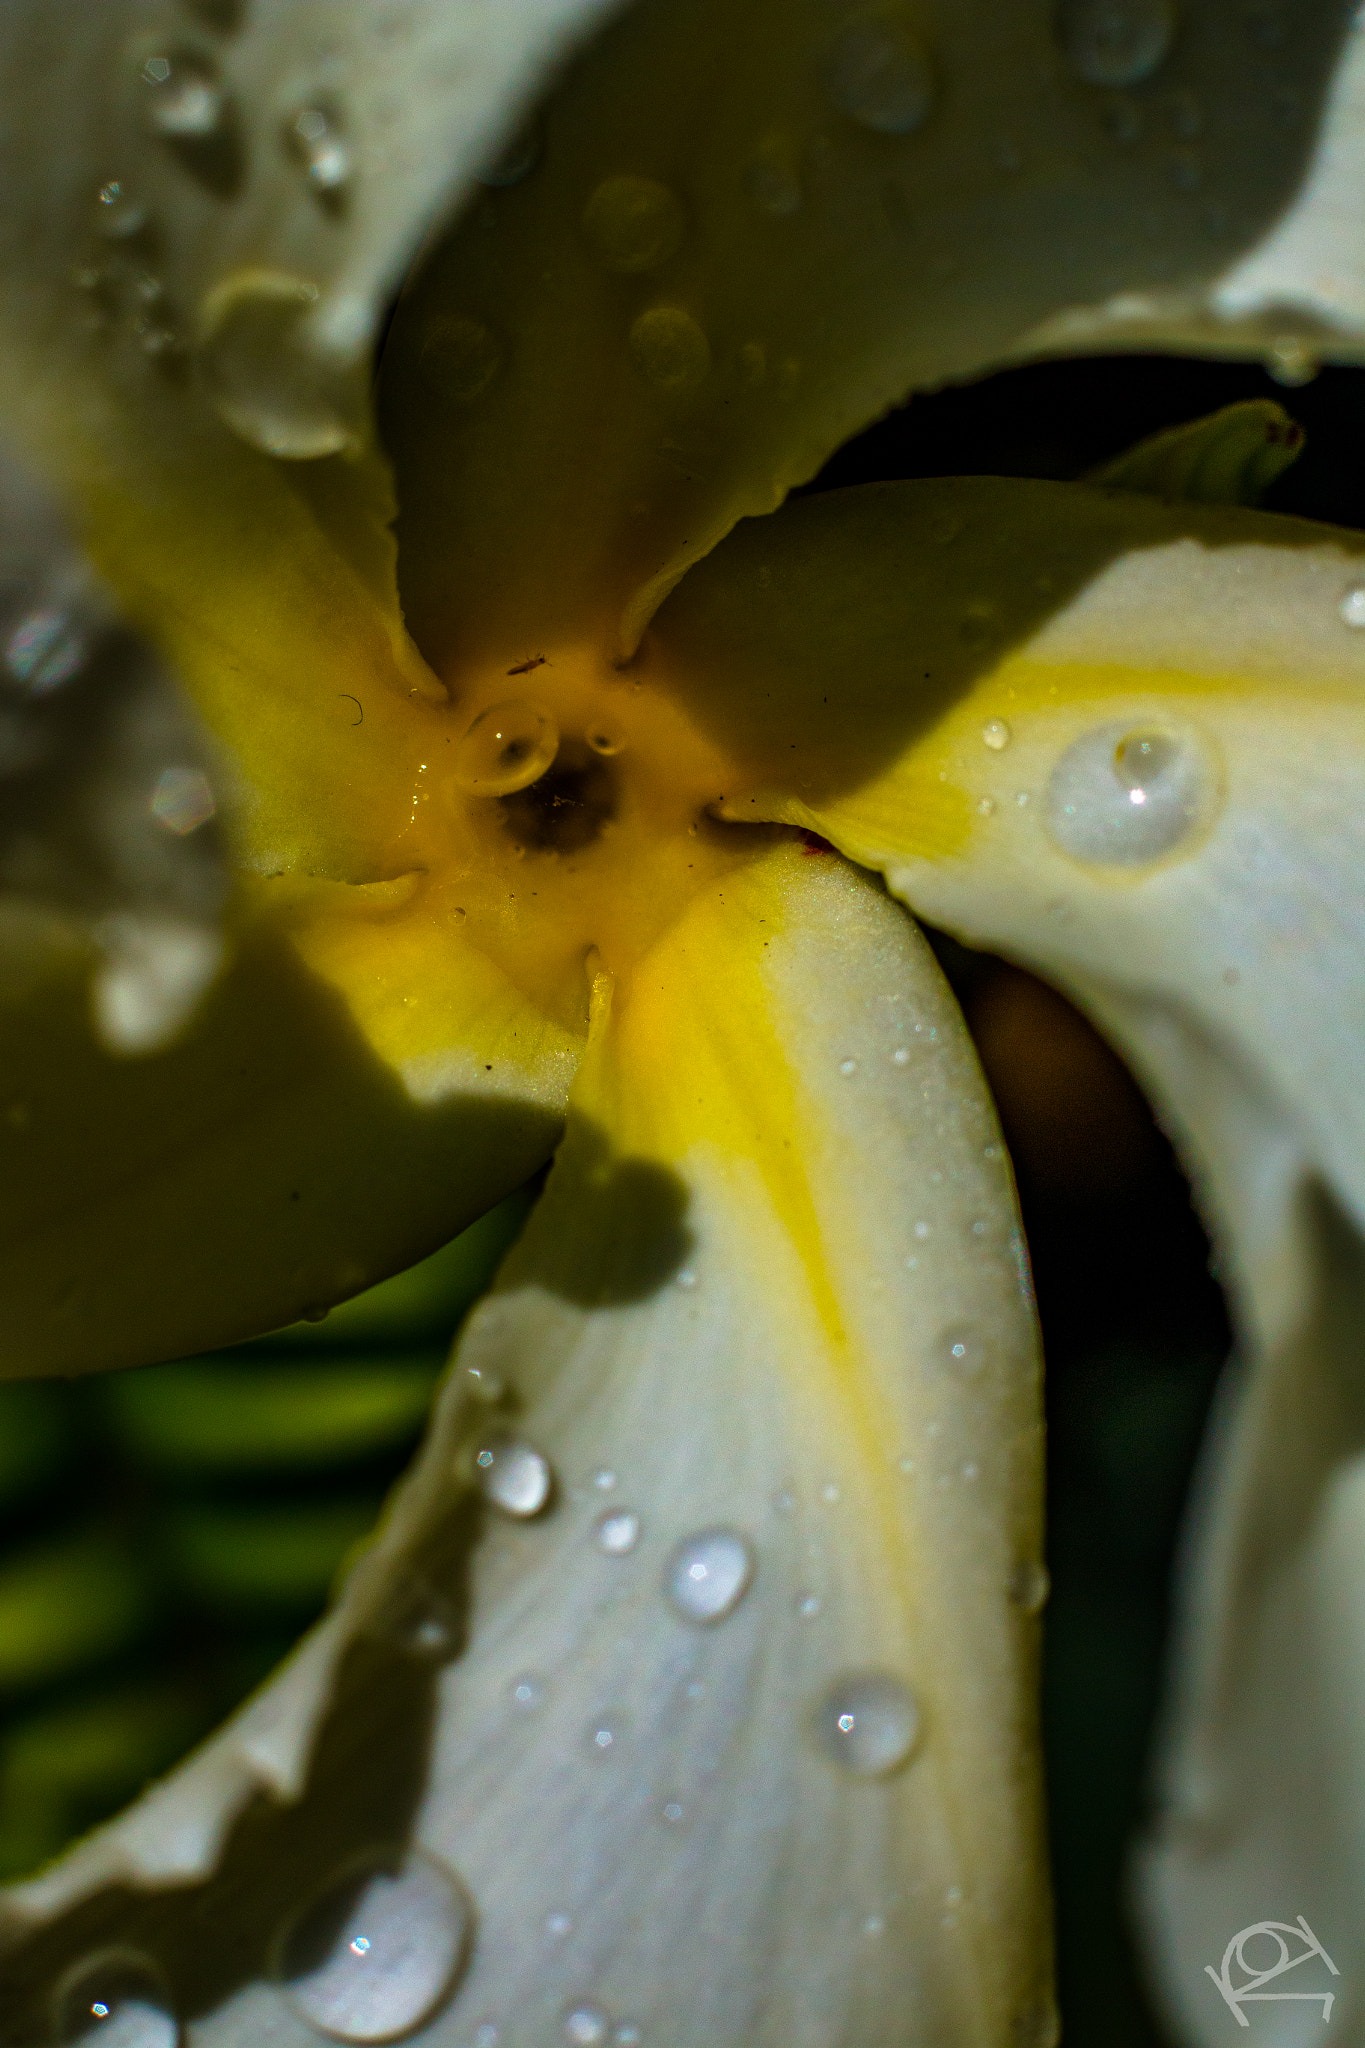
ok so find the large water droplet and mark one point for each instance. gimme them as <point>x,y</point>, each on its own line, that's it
<point>508,747</point>
<point>182,800</point>
<point>1120,797</point>
<point>708,1575</point>
<point>116,2000</point>
<point>378,1951</point>
<point>316,140</point>
<point>1353,606</point>
<point>868,1722</point>
<point>634,224</point>
<point>618,1532</point>
<point>669,349</point>
<point>514,1476</point>
<point>186,99</point>
<point>1115,42</point>
<point>272,383</point>
<point>879,74</point>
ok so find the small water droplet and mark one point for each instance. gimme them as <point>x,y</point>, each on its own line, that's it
<point>672,1811</point>
<point>119,216</point>
<point>708,1575</point>
<point>634,224</point>
<point>829,1492</point>
<point>459,357</point>
<point>921,1229</point>
<point>605,742</point>
<point>771,182</point>
<point>961,1349</point>
<point>558,1926</point>
<point>186,99</point>
<point>604,1479</point>
<point>1121,797</point>
<point>182,800</point>
<point>669,349</point>
<point>315,138</point>
<point>1291,361</point>
<point>603,1737</point>
<point>685,1278</point>
<point>514,1477</point>
<point>270,381</point>
<point>1115,42</point>
<point>1353,606</point>
<point>626,2034</point>
<point>879,74</point>
<point>508,747</point>
<point>44,650</point>
<point>586,2026</point>
<point>115,2000</point>
<point>901,1056</point>
<point>996,734</point>
<point>526,1693</point>
<point>378,1951</point>
<point>486,2035</point>
<point>986,807</point>
<point>515,160</point>
<point>618,1532</point>
<point>848,1067</point>
<point>874,1925</point>
<point>868,1722</point>
<point>1029,1585</point>
<point>808,1605</point>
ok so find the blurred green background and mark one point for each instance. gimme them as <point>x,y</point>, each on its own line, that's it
<point>166,1534</point>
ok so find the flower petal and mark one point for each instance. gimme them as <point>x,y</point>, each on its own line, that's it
<point>769,1333</point>
<point>751,229</point>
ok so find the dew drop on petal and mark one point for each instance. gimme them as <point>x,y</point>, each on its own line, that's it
<point>708,1575</point>
<point>558,1926</point>
<point>1353,606</point>
<point>316,140</point>
<point>182,800</point>
<point>186,100</point>
<point>868,1723</point>
<point>1120,797</point>
<point>527,1693</point>
<point>669,349</point>
<point>808,1605</point>
<point>1029,1586</point>
<point>634,224</point>
<point>508,747</point>
<point>848,1068</point>
<point>961,1349</point>
<point>514,1477</point>
<point>604,1479</point>
<point>378,1951</point>
<point>116,2000</point>
<point>879,74</point>
<point>119,217</point>
<point>618,1532</point>
<point>269,381</point>
<point>996,734</point>
<point>1115,42</point>
<point>626,2034</point>
<point>605,742</point>
<point>586,2026</point>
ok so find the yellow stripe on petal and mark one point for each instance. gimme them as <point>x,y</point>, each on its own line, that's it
<point>735,1746</point>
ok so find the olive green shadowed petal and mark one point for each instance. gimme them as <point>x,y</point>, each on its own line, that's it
<point>735,1745</point>
<point>752,228</point>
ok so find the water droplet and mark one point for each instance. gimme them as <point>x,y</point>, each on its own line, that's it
<point>44,650</point>
<point>986,807</point>
<point>604,1479</point>
<point>829,1492</point>
<point>605,742</point>
<point>1115,42</point>
<point>527,1693</point>
<point>316,140</point>
<point>514,1477</point>
<point>672,1811</point>
<point>848,1067</point>
<point>1353,606</point>
<point>996,734</point>
<point>921,1229</point>
<point>603,1737</point>
<point>187,101</point>
<point>1291,362</point>
<point>459,357</point>
<point>771,182</point>
<point>1029,1585</point>
<point>586,2026</point>
<point>486,2035</point>
<point>508,747</point>
<point>685,1278</point>
<point>874,1925</point>
<point>378,1951</point>
<point>115,2000</point>
<point>901,1056</point>
<point>669,349</point>
<point>182,800</point>
<point>558,1926</point>
<point>1121,797</point>
<point>634,224</point>
<point>618,1532</point>
<point>879,74</point>
<point>868,1722</point>
<point>626,2034</point>
<point>808,1605</point>
<point>270,381</point>
<point>119,216</point>
<point>708,1575</point>
<point>515,160</point>
<point>961,1349</point>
